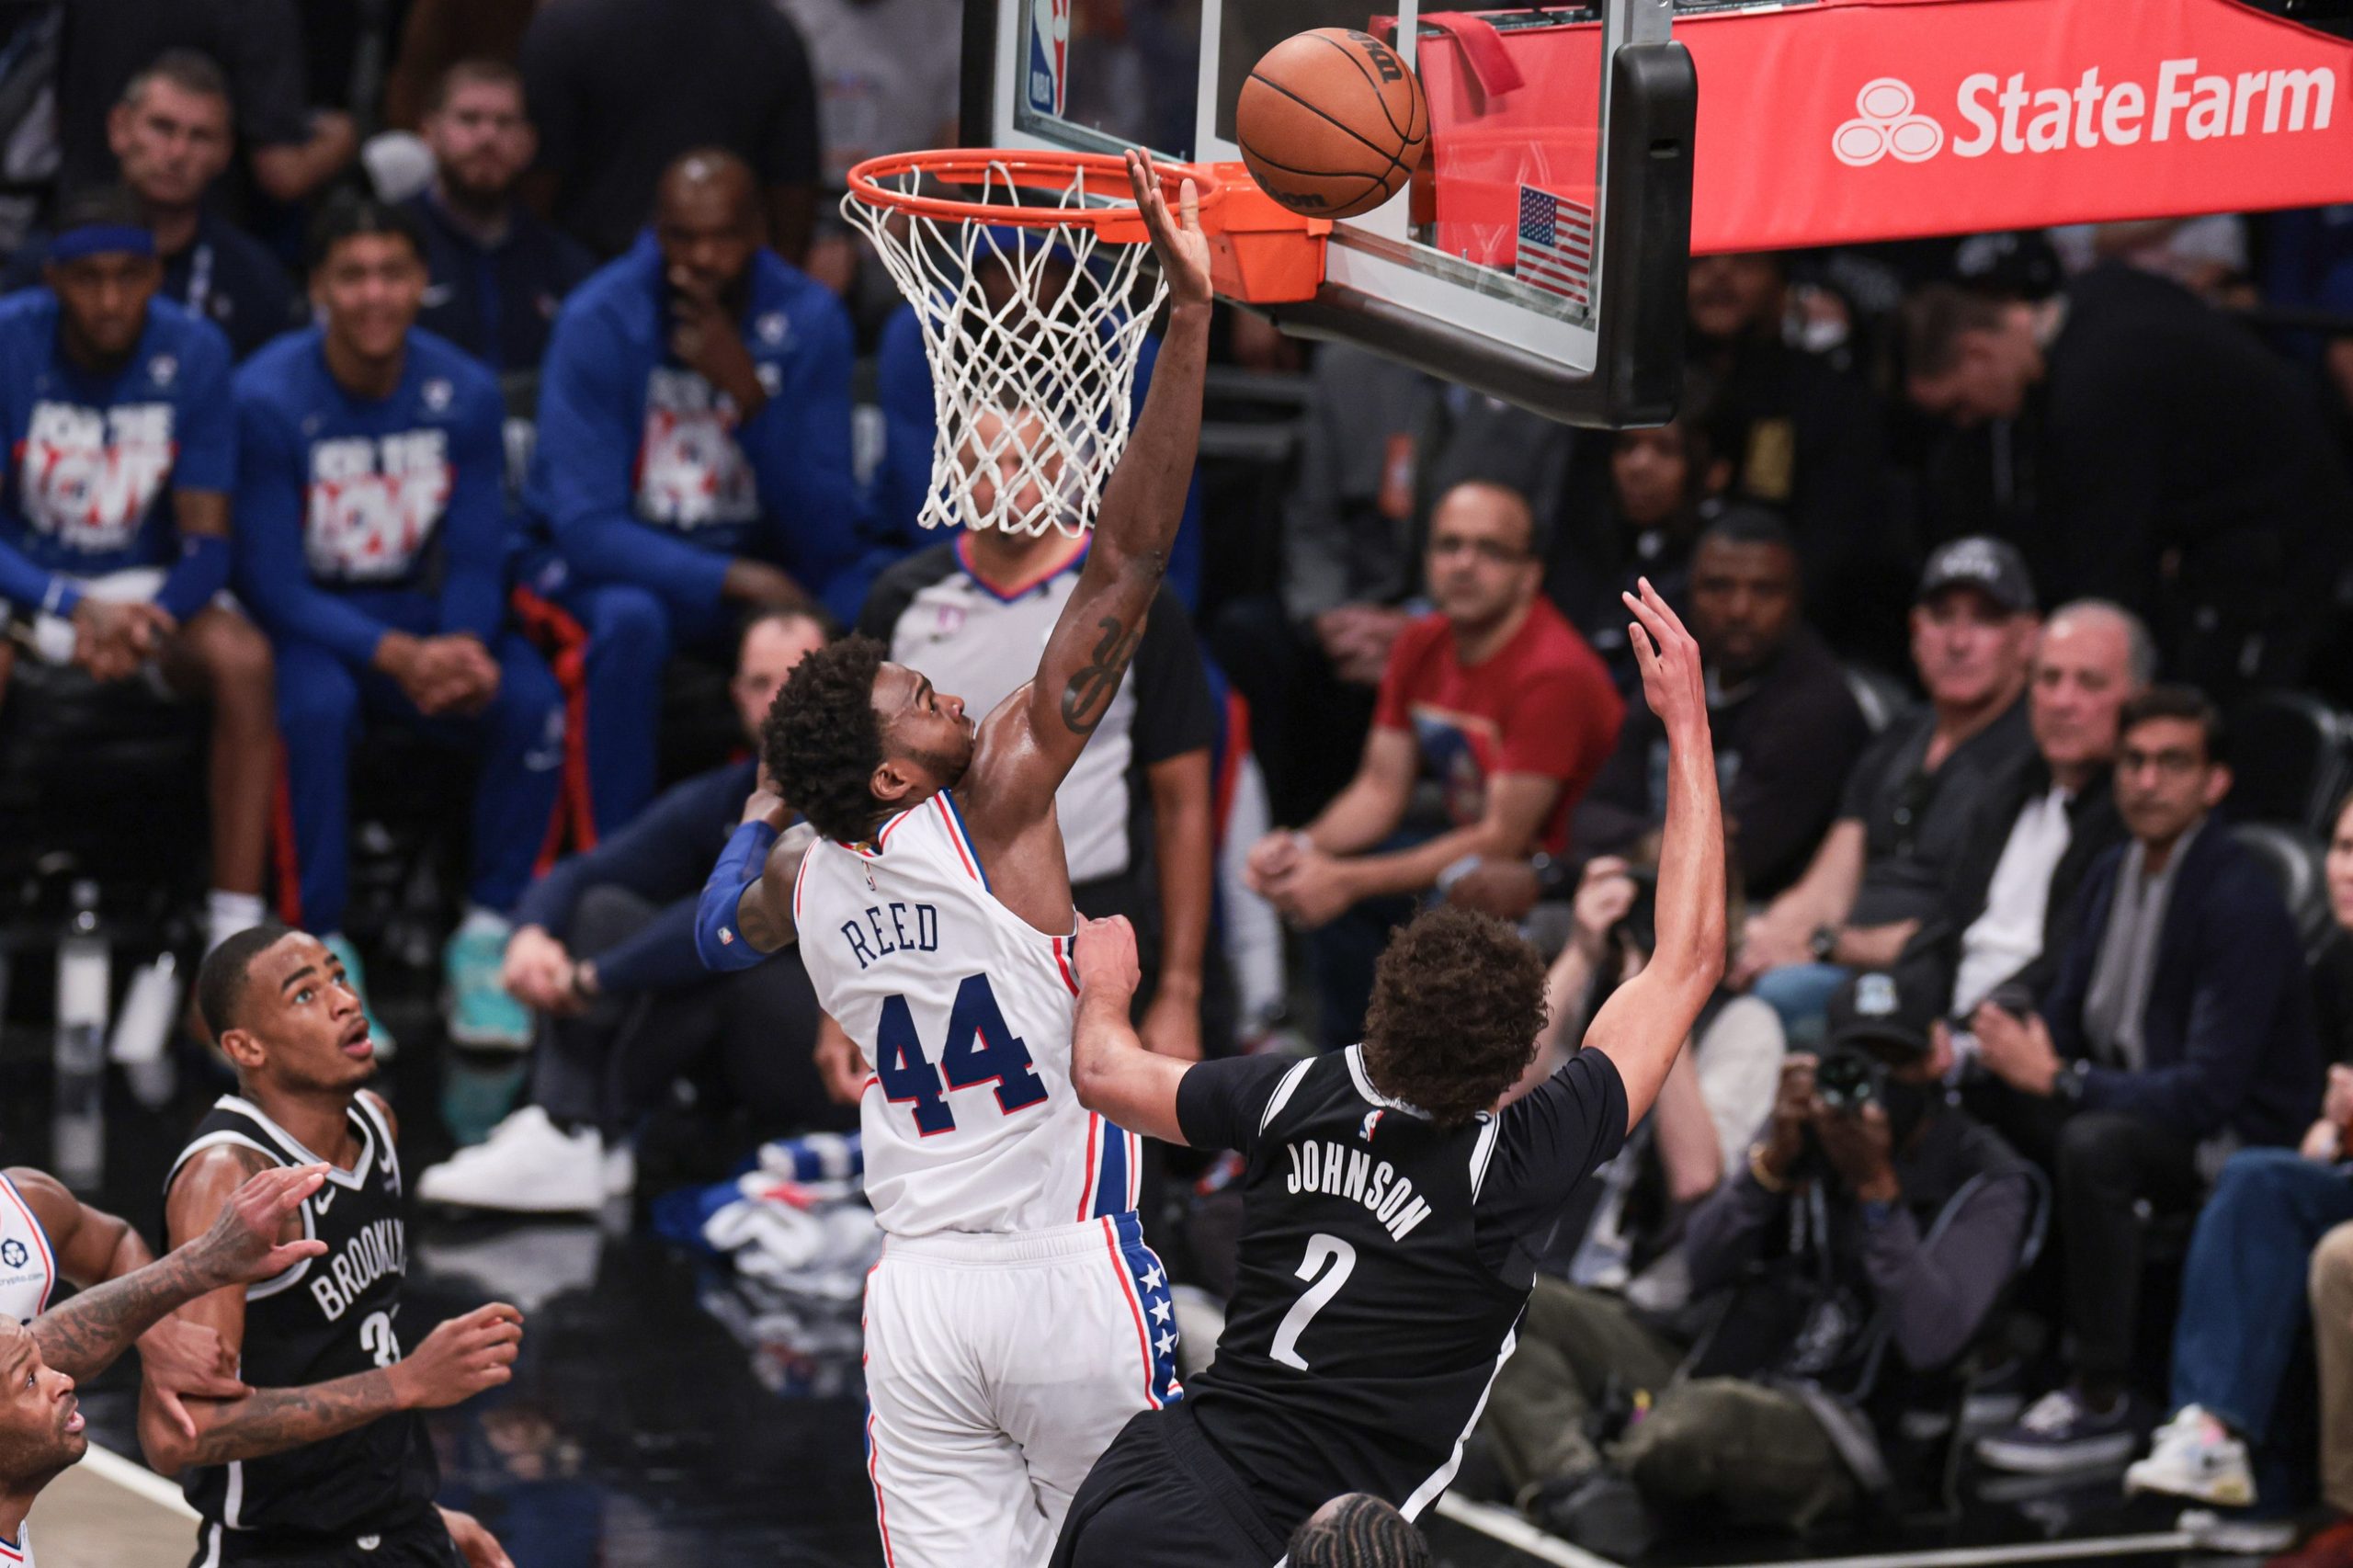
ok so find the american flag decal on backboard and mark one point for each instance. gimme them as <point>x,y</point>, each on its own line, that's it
<point>1555,251</point>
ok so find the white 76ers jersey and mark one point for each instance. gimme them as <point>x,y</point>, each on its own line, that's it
<point>27,1267</point>
<point>964,1011</point>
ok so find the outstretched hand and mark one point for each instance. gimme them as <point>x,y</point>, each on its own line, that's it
<point>1669,658</point>
<point>1183,249</point>
<point>244,1245</point>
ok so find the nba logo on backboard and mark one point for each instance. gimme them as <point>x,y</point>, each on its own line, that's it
<point>1048,54</point>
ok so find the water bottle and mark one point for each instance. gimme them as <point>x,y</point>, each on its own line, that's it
<point>78,1148</point>
<point>142,1031</point>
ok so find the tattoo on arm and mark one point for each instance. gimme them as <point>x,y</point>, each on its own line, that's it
<point>1088,696</point>
<point>82,1338</point>
<point>271,1421</point>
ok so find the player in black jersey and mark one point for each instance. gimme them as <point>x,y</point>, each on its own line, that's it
<point>1392,1215</point>
<point>325,1463</point>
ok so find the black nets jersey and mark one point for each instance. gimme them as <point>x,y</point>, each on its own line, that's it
<point>1384,1264</point>
<point>326,1317</point>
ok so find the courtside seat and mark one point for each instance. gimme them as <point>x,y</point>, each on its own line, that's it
<point>2291,757</point>
<point>2296,859</point>
<point>106,782</point>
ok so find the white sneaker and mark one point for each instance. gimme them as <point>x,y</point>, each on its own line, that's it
<point>620,1170</point>
<point>525,1167</point>
<point>2195,1456</point>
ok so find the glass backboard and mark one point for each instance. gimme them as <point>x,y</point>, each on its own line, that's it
<point>1539,254</point>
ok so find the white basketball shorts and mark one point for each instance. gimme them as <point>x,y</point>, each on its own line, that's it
<point>998,1369</point>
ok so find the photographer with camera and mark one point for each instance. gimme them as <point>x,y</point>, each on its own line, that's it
<point>1869,1216</point>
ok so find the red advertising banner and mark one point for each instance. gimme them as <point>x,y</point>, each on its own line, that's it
<point>1849,121</point>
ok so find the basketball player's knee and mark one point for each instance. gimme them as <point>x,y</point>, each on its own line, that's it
<point>316,694</point>
<point>236,660</point>
<point>529,704</point>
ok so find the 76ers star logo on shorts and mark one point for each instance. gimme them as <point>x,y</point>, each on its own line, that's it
<point>13,1254</point>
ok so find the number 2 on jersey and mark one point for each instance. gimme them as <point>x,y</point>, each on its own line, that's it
<point>1321,1249</point>
<point>981,1048</point>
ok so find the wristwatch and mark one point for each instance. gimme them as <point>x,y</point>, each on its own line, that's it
<point>2068,1086</point>
<point>1825,943</point>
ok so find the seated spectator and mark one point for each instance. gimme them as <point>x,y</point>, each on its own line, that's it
<point>2184,470</point>
<point>1494,718</point>
<point>172,134</point>
<point>498,274</point>
<point>694,444</point>
<point>1880,869</point>
<point>2242,1314</point>
<point>1803,439</point>
<point>1718,1094</point>
<point>291,149</point>
<point>1777,1417</point>
<point>2242,1311</point>
<point>1662,480</point>
<point>371,543</point>
<point>2181,1013</point>
<point>604,953</point>
<point>1786,725</point>
<point>2330,1295</point>
<point>1135,811</point>
<point>114,535</point>
<point>622,92</point>
<point>1358,1530</point>
<point>902,387</point>
<point>2010,903</point>
<point>1310,658</point>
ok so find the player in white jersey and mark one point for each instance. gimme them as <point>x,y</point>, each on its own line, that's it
<point>1017,1319</point>
<point>125,1293</point>
<point>41,1359</point>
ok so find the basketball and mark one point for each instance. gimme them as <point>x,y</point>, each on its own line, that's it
<point>1332,122</point>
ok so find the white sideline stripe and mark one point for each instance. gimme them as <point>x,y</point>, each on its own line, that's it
<point>137,1479</point>
<point>1502,1525</point>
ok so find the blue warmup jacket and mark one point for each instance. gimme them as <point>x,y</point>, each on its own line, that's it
<point>358,517</point>
<point>93,459</point>
<point>642,472</point>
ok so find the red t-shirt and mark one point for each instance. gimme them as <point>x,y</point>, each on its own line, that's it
<point>1542,703</point>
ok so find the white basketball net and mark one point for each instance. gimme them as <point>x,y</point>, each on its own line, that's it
<point>1030,392</point>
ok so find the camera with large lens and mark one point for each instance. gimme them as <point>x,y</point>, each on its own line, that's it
<point>1848,1080</point>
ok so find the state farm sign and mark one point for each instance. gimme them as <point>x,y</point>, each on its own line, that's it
<point>2004,115</point>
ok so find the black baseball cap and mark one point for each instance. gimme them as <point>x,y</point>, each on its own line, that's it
<point>1871,1012</point>
<point>1992,566</point>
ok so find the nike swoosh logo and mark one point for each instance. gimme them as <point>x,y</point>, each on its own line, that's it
<point>323,1201</point>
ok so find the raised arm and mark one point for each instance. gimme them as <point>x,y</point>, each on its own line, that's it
<point>1032,742</point>
<point>1644,1022</point>
<point>745,913</point>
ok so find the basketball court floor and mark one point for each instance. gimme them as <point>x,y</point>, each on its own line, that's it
<point>661,1417</point>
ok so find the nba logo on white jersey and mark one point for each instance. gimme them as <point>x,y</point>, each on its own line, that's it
<point>1048,54</point>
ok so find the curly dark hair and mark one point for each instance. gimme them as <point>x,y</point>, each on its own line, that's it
<point>1457,1001</point>
<point>822,742</point>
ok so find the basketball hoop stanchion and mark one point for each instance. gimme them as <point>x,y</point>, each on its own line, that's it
<point>1031,288</point>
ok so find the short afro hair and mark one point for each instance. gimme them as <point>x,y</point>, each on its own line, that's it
<point>221,979</point>
<point>822,741</point>
<point>1457,1001</point>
